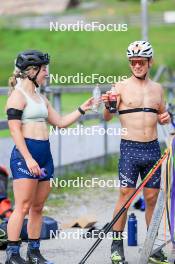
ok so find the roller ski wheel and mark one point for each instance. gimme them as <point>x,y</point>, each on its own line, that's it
<point>35,257</point>
<point>117,252</point>
<point>15,259</point>
<point>116,259</point>
<point>158,258</point>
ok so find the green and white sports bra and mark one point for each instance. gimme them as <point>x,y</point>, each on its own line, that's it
<point>33,111</point>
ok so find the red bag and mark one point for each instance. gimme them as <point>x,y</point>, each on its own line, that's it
<point>5,204</point>
<point>3,182</point>
<point>5,208</point>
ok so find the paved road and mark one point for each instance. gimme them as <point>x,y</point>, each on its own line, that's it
<point>97,202</point>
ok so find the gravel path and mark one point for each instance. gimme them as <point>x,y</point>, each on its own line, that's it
<point>99,202</point>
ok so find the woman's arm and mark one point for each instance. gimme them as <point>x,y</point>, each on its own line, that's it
<point>56,119</point>
<point>15,130</point>
<point>17,101</point>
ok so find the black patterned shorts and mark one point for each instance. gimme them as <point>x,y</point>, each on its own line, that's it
<point>138,158</point>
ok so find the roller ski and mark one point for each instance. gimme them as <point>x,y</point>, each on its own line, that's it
<point>15,259</point>
<point>117,252</point>
<point>13,253</point>
<point>34,257</point>
<point>158,258</point>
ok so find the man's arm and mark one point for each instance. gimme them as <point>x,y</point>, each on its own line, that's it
<point>106,114</point>
<point>162,107</point>
<point>163,116</point>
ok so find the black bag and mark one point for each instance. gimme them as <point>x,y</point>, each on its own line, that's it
<point>49,226</point>
<point>48,230</point>
<point>3,234</point>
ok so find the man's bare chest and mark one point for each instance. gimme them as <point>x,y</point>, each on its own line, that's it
<point>133,98</point>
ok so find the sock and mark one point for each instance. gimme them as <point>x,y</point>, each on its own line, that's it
<point>33,244</point>
<point>13,247</point>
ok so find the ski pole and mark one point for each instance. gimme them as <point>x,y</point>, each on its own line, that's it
<point>126,205</point>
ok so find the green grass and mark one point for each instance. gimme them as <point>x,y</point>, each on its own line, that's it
<point>3,100</point>
<point>156,6</point>
<point>84,52</point>
<point>123,7</point>
<point>162,6</point>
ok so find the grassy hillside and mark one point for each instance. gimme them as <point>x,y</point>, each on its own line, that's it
<point>84,52</point>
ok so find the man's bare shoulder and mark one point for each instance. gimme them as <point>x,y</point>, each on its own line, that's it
<point>121,85</point>
<point>156,86</point>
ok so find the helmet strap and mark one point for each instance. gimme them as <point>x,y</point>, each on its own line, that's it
<point>140,78</point>
<point>33,79</point>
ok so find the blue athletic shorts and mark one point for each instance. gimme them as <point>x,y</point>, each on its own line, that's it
<point>40,151</point>
<point>138,158</point>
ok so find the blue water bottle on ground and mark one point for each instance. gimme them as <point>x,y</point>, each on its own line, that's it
<point>132,230</point>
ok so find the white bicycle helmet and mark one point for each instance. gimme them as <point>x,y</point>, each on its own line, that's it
<point>140,48</point>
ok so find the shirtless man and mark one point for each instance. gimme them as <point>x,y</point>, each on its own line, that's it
<point>141,107</point>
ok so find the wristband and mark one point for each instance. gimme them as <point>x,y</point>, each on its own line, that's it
<point>81,110</point>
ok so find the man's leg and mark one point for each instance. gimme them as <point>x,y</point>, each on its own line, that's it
<point>128,174</point>
<point>117,249</point>
<point>125,193</point>
<point>150,196</point>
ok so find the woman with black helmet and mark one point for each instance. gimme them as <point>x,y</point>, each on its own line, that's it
<point>31,160</point>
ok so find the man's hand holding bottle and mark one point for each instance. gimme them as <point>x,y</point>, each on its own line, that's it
<point>110,99</point>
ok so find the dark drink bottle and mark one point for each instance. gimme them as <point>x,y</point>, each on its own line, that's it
<point>112,100</point>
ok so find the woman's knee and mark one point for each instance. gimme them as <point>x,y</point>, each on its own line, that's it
<point>24,207</point>
<point>37,208</point>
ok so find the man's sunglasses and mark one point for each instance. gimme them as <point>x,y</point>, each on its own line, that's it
<point>140,62</point>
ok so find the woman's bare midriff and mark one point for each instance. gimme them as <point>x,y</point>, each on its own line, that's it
<point>35,130</point>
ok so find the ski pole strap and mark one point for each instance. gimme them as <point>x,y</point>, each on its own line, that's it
<point>172,212</point>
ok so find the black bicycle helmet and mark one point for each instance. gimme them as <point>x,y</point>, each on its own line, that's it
<point>31,58</point>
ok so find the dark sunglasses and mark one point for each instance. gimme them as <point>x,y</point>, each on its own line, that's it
<point>140,62</point>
